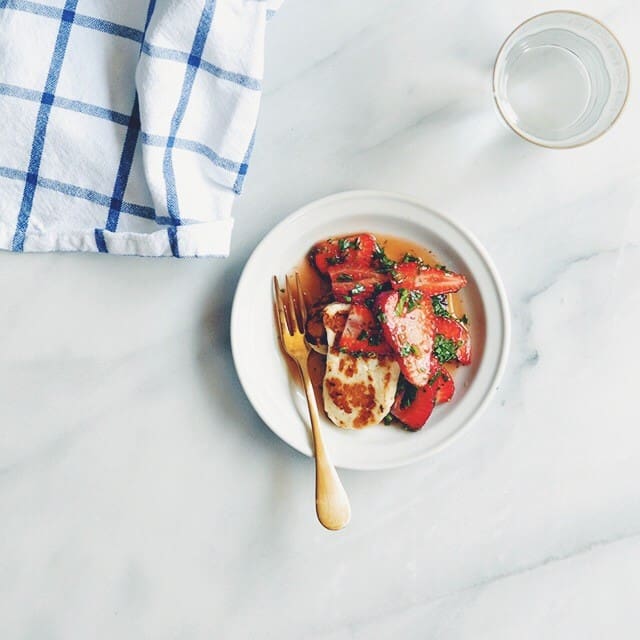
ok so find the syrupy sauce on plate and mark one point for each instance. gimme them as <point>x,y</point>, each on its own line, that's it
<point>316,287</point>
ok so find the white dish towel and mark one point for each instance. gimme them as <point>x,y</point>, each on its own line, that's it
<point>126,126</point>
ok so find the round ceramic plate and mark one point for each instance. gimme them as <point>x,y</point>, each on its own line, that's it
<point>262,367</point>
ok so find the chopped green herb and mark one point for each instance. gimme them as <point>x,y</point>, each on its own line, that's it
<point>381,317</point>
<point>388,419</point>
<point>409,299</point>
<point>434,378</point>
<point>334,260</point>
<point>344,277</point>
<point>378,287</point>
<point>408,349</point>
<point>375,339</point>
<point>402,301</point>
<point>345,243</point>
<point>408,396</point>
<point>409,257</point>
<point>347,298</point>
<point>415,298</point>
<point>363,335</point>
<point>445,349</point>
<point>464,319</point>
<point>440,306</point>
<point>441,267</point>
<point>386,264</point>
<point>359,288</point>
<point>343,350</point>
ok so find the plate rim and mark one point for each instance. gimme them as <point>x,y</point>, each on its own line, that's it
<point>503,301</point>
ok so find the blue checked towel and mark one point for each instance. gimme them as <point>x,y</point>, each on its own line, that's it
<point>126,126</point>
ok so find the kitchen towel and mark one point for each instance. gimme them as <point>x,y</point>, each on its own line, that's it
<point>126,126</point>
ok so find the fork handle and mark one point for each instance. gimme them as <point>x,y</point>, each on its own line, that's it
<point>332,504</point>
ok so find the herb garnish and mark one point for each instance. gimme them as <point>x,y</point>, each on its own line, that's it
<point>388,419</point>
<point>344,277</point>
<point>386,264</point>
<point>440,306</point>
<point>409,299</point>
<point>345,243</point>
<point>409,257</point>
<point>445,349</point>
<point>464,319</point>
<point>378,287</point>
<point>359,288</point>
<point>363,335</point>
<point>381,317</point>
<point>408,349</point>
<point>409,395</point>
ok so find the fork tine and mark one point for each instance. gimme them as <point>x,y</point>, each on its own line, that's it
<point>283,326</point>
<point>302,305</point>
<point>291,307</point>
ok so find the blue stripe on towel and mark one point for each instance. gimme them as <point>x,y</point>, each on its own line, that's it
<point>200,39</point>
<point>65,103</point>
<point>138,210</point>
<point>128,152</point>
<point>172,234</point>
<point>243,80</point>
<point>42,121</point>
<point>97,24</point>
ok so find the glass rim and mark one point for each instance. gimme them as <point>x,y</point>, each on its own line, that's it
<point>523,135</point>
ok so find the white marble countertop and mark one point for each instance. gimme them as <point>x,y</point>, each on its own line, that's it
<point>141,496</point>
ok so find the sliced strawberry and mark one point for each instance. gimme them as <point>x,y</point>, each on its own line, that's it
<point>413,406</point>
<point>404,275</point>
<point>355,284</point>
<point>429,280</point>
<point>356,250</point>
<point>408,325</point>
<point>361,251</point>
<point>362,334</point>
<point>451,329</point>
<point>442,383</point>
<point>323,255</point>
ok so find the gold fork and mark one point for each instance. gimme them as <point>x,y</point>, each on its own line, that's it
<point>332,503</point>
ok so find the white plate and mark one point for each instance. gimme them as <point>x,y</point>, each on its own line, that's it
<point>261,365</point>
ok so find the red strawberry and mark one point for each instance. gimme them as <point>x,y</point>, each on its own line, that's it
<point>413,406</point>
<point>404,275</point>
<point>429,280</point>
<point>452,329</point>
<point>356,250</point>
<point>362,333</point>
<point>355,284</point>
<point>442,383</point>
<point>408,325</point>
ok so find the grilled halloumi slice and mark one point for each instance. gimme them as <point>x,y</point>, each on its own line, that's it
<point>357,391</point>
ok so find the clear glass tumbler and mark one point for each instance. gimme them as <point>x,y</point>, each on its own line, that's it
<point>561,79</point>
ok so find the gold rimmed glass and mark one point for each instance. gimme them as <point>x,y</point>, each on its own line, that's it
<point>561,79</point>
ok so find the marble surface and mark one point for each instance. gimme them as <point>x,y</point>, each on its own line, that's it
<point>141,496</point>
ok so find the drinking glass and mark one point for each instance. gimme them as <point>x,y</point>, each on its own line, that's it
<point>561,79</point>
